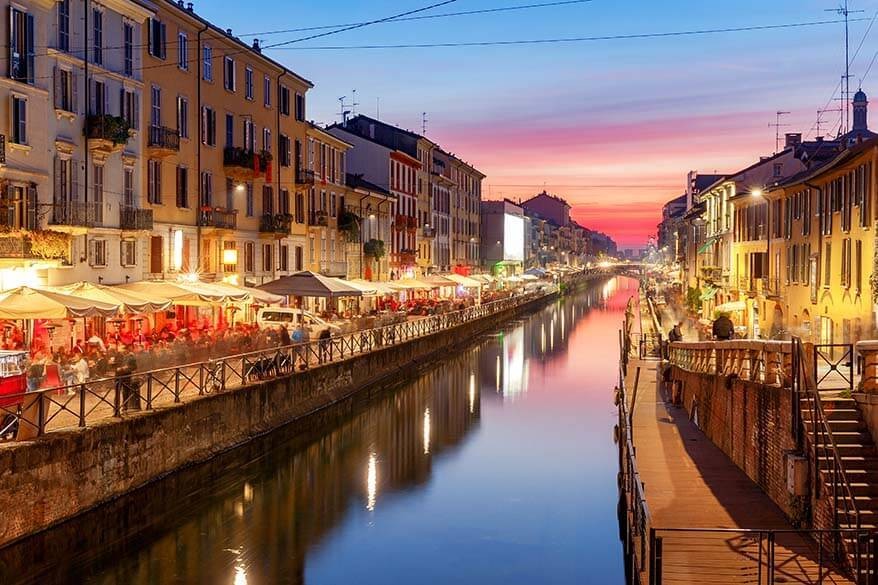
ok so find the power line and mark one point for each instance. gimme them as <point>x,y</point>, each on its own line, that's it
<point>360,25</point>
<point>425,17</point>
<point>635,36</point>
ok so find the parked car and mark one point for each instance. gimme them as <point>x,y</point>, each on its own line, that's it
<point>291,317</point>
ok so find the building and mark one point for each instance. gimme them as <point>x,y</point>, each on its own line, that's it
<point>437,196</point>
<point>371,205</point>
<point>72,143</point>
<point>671,232</point>
<point>223,125</point>
<point>503,240</point>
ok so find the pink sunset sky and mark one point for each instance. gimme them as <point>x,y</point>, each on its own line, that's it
<point>613,126</point>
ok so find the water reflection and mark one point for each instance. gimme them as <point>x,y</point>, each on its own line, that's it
<point>413,485</point>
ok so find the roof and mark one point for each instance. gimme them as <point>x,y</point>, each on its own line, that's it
<point>356,181</point>
<point>223,35</point>
<point>828,166</point>
<point>545,194</point>
<point>704,181</point>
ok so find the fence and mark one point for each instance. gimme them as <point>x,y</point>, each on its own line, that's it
<point>35,413</point>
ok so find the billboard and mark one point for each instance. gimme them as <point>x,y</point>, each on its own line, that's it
<point>513,237</point>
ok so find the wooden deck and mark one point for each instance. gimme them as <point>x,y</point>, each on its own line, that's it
<point>690,483</point>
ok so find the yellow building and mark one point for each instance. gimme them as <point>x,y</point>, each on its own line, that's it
<point>371,205</point>
<point>327,245</point>
<point>823,248</point>
<point>225,127</point>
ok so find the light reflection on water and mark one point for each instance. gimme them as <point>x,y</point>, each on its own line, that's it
<point>495,467</point>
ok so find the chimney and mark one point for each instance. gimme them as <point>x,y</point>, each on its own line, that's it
<point>190,7</point>
<point>792,139</point>
<point>229,31</point>
<point>256,46</point>
<point>819,139</point>
<point>180,4</point>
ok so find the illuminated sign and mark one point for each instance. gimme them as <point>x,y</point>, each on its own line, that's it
<point>513,237</point>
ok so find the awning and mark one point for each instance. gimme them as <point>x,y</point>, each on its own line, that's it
<point>528,277</point>
<point>380,288</point>
<point>30,303</point>
<point>310,284</point>
<point>708,293</point>
<point>185,293</point>
<point>732,306</point>
<point>483,277</point>
<point>258,296</point>
<point>127,300</point>
<point>410,284</point>
<point>707,244</point>
<point>437,280</point>
<point>363,286</point>
<point>464,281</point>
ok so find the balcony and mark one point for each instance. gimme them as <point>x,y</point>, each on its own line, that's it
<point>275,224</point>
<point>334,268</point>
<point>106,134</point>
<point>39,245</point>
<point>218,218</point>
<point>77,214</point>
<point>400,223</point>
<point>242,164</point>
<point>412,224</point>
<point>162,141</point>
<point>135,219</point>
<point>407,257</point>
<point>304,177</point>
<point>429,233</point>
<point>318,218</point>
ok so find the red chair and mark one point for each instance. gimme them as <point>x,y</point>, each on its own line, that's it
<point>53,377</point>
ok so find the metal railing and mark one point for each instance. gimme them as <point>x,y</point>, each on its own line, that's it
<point>77,214</point>
<point>135,218</point>
<point>838,361</point>
<point>218,217</point>
<point>304,176</point>
<point>163,137</point>
<point>78,405</point>
<point>759,556</point>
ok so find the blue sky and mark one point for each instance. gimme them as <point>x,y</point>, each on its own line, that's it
<point>610,125</point>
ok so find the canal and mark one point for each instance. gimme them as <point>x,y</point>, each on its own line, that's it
<point>495,466</point>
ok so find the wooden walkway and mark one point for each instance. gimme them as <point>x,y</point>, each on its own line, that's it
<point>690,483</point>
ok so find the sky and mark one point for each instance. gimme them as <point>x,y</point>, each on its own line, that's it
<point>613,126</point>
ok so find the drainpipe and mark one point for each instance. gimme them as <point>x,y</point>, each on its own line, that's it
<point>360,226</point>
<point>85,142</point>
<point>295,169</point>
<point>200,58</point>
<point>378,218</point>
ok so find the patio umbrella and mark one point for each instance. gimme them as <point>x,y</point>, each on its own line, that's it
<point>188,293</point>
<point>464,281</point>
<point>538,272</point>
<point>410,284</point>
<point>128,301</point>
<point>381,288</point>
<point>437,280</point>
<point>363,286</point>
<point>31,303</point>
<point>309,284</point>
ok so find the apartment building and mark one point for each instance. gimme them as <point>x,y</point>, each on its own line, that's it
<point>464,243</point>
<point>371,205</point>
<point>71,143</point>
<point>426,238</point>
<point>224,128</point>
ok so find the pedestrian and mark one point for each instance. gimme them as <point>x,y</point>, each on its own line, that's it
<point>676,333</point>
<point>324,341</point>
<point>284,336</point>
<point>126,385</point>
<point>36,371</point>
<point>723,328</point>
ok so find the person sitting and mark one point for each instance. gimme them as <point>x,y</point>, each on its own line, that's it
<point>723,328</point>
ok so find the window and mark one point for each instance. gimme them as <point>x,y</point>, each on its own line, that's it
<point>154,181</point>
<point>283,144</point>
<point>183,51</point>
<point>267,260</point>
<point>230,130</point>
<point>157,39</point>
<point>249,256</point>
<point>207,63</point>
<point>284,102</point>
<point>846,263</point>
<point>266,91</point>
<point>267,200</point>
<point>155,114</point>
<point>97,35</point>
<point>248,83</point>
<point>64,90</point>
<point>299,266</point>
<point>777,171</point>
<point>129,107</point>
<point>129,199</point>
<point>183,117</point>
<point>332,205</point>
<point>156,254</point>
<point>21,46</point>
<point>249,135</point>
<point>128,253</point>
<point>266,139</point>
<point>64,25</point>
<point>182,187</point>
<point>283,202</point>
<point>300,107</point>
<point>128,53</point>
<point>229,245</point>
<point>229,73</point>
<point>99,98</point>
<point>98,193</point>
<point>858,267</point>
<point>206,193</point>
<point>208,126</point>
<point>19,120</point>
<point>284,254</point>
<point>97,253</point>
<point>249,202</point>
<point>827,265</point>
<point>300,208</point>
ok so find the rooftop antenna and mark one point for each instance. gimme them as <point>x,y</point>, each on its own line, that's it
<point>423,123</point>
<point>820,114</point>
<point>344,110</point>
<point>777,126</point>
<point>843,10</point>
<point>378,108</point>
<point>354,102</point>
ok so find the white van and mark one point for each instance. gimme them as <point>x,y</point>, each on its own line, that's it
<point>269,317</point>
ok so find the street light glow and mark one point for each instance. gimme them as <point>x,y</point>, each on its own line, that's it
<point>756,192</point>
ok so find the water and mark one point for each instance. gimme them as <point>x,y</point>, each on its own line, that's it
<point>496,466</point>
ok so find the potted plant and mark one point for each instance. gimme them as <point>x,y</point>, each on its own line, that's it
<point>349,224</point>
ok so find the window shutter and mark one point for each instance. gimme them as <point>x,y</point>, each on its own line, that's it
<point>164,39</point>
<point>122,111</point>
<point>30,48</point>
<point>58,196</point>
<point>56,84</point>
<point>150,44</point>
<point>13,43</point>
<point>74,92</point>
